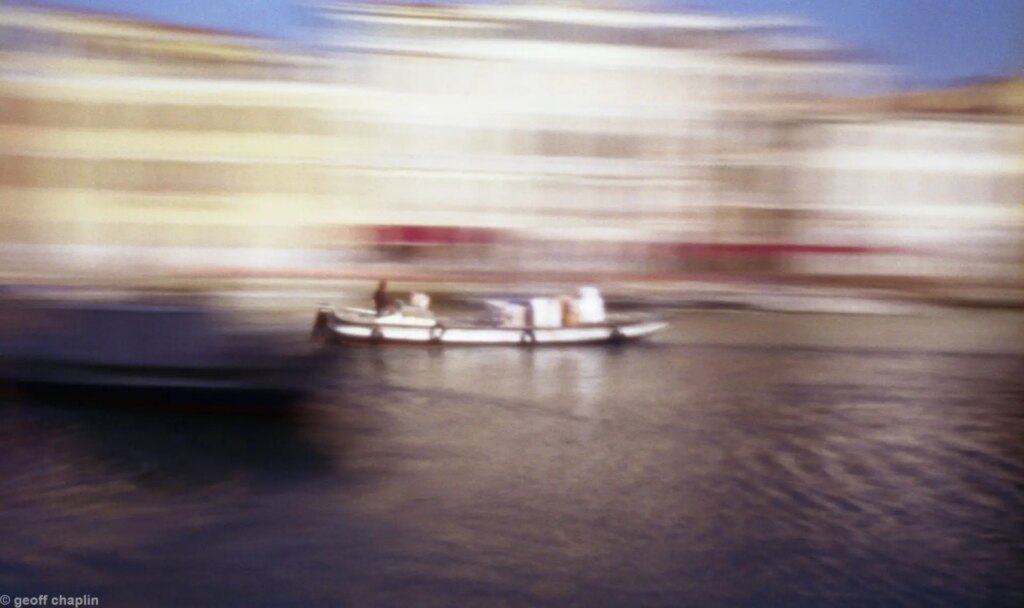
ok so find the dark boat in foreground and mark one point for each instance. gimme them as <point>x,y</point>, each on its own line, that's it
<point>152,353</point>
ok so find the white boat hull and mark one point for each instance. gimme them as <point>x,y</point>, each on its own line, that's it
<point>382,332</point>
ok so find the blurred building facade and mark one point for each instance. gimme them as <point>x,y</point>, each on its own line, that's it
<point>131,145</point>
<point>504,138</point>
<point>934,196</point>
<point>931,181</point>
<point>573,137</point>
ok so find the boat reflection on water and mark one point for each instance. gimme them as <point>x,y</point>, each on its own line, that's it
<point>179,352</point>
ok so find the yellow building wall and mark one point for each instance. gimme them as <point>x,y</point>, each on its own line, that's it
<point>168,162</point>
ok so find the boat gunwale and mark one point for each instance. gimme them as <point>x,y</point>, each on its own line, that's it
<point>436,335</point>
<point>440,324</point>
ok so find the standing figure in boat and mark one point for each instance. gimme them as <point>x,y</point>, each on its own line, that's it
<point>381,301</point>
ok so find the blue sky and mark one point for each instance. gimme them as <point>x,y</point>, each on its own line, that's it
<point>935,41</point>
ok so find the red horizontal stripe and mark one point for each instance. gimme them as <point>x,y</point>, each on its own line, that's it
<point>457,235</point>
<point>431,235</point>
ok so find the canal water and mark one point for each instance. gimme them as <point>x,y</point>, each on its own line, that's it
<point>737,460</point>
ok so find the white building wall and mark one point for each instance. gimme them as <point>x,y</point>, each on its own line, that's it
<point>943,193</point>
<point>600,135</point>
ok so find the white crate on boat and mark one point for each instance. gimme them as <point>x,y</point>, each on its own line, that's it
<point>591,306</point>
<point>547,312</point>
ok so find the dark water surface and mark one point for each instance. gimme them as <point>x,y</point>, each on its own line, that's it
<point>739,459</point>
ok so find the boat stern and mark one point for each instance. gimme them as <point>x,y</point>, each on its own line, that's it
<point>323,323</point>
